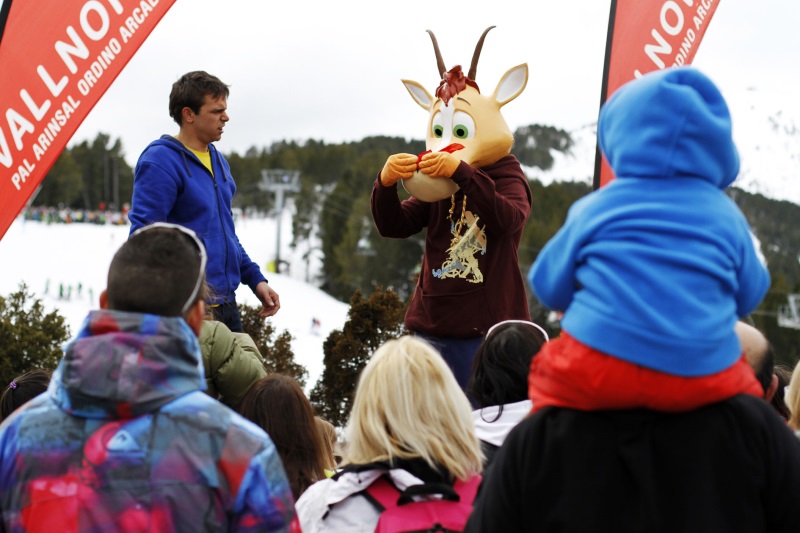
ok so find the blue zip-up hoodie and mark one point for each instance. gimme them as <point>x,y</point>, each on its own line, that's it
<point>172,185</point>
<point>656,267</point>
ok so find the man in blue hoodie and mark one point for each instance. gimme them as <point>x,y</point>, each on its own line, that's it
<point>653,270</point>
<point>125,439</point>
<point>183,179</point>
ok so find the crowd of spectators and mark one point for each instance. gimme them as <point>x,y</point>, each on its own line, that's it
<point>65,215</point>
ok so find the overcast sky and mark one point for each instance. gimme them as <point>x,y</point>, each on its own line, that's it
<point>331,70</point>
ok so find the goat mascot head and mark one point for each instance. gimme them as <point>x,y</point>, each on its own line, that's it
<point>462,121</point>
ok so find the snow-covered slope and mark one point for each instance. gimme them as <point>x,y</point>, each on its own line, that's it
<point>48,256</point>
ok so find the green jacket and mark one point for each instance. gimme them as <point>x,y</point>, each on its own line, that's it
<point>231,362</point>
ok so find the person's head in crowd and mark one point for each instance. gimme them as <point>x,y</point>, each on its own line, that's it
<point>159,275</point>
<point>279,406</point>
<point>793,398</point>
<point>329,442</point>
<point>408,405</point>
<point>499,381</point>
<point>22,389</point>
<point>502,363</point>
<point>784,375</point>
<point>760,355</point>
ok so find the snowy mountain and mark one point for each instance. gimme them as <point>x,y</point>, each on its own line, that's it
<point>768,139</point>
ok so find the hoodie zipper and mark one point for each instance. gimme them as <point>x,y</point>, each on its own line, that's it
<point>221,221</point>
<point>219,204</point>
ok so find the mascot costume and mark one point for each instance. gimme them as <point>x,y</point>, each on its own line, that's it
<point>473,198</point>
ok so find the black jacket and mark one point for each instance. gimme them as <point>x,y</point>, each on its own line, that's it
<point>733,466</point>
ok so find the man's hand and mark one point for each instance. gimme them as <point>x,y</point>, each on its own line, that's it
<point>439,164</point>
<point>269,299</point>
<point>398,167</point>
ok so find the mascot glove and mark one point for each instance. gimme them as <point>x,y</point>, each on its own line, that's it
<point>398,167</point>
<point>439,164</point>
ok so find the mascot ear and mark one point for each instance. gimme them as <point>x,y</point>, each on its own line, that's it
<point>421,96</point>
<point>511,84</point>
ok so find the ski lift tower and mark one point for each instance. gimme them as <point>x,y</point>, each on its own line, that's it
<point>280,182</point>
<point>789,313</point>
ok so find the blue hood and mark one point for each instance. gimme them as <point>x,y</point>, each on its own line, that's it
<point>669,123</point>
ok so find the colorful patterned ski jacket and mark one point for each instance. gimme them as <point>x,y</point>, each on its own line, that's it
<point>125,440</point>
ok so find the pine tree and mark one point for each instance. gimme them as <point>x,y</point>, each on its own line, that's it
<point>278,354</point>
<point>63,183</point>
<point>534,145</point>
<point>29,338</point>
<point>370,323</point>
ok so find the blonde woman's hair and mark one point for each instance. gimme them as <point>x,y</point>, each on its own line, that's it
<point>793,398</point>
<point>409,405</point>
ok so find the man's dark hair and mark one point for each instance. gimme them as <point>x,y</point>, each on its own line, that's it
<point>191,89</point>
<point>154,272</point>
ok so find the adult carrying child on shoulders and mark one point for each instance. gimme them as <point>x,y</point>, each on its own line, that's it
<point>653,270</point>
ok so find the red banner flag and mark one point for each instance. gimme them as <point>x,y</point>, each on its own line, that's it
<point>647,35</point>
<point>57,59</point>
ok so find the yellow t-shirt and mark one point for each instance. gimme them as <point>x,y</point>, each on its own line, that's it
<point>204,157</point>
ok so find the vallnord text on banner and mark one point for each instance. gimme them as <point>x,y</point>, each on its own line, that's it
<point>57,58</point>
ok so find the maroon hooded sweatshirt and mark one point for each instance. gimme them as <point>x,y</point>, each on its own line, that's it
<point>500,197</point>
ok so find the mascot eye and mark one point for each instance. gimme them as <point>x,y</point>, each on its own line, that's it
<point>436,125</point>
<point>460,131</point>
<point>463,126</point>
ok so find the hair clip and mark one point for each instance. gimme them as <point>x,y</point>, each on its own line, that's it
<point>526,322</point>
<point>13,385</point>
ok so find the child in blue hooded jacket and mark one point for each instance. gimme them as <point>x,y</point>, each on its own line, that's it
<point>653,270</point>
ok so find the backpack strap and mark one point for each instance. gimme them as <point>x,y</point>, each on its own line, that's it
<point>382,494</point>
<point>429,489</point>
